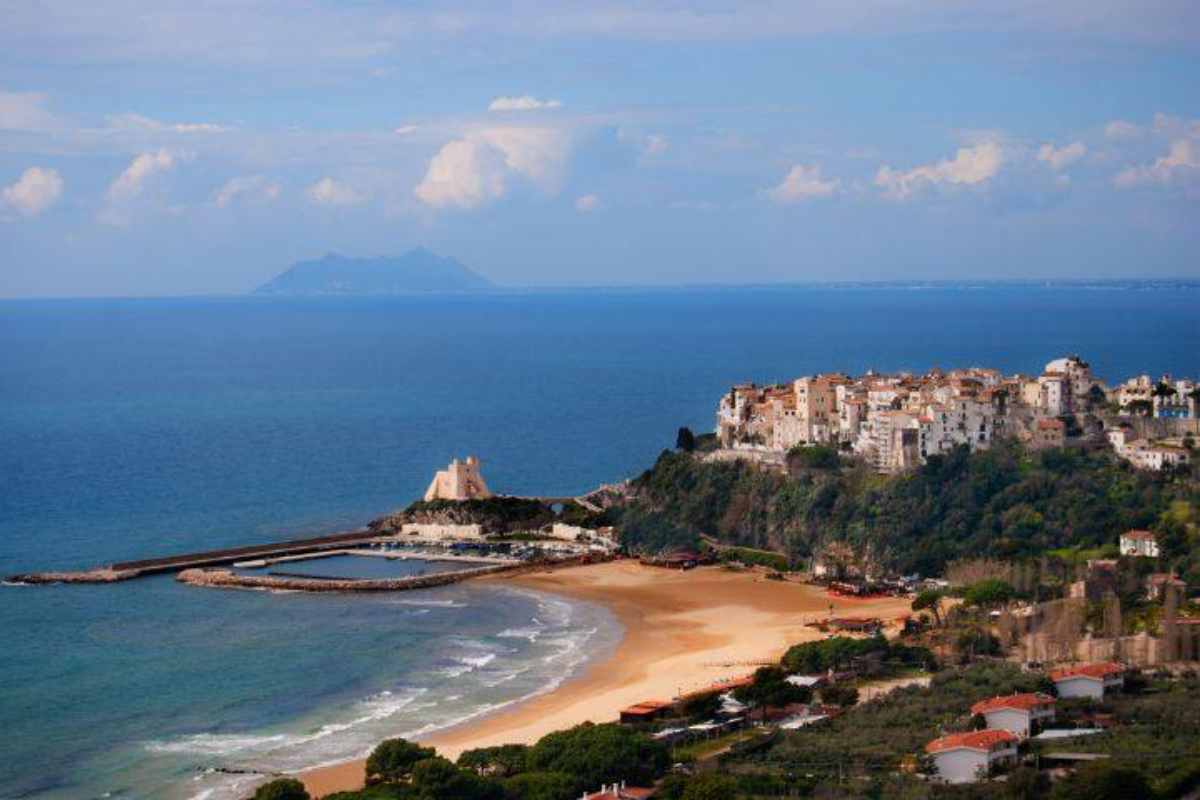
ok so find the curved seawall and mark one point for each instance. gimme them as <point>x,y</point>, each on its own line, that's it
<point>227,579</point>
<point>223,578</point>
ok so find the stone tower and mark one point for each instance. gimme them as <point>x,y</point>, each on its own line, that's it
<point>459,481</point>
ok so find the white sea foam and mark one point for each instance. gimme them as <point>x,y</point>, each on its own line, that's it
<point>465,664</point>
<point>480,661</point>
<point>529,634</point>
<point>431,603</point>
<point>374,708</point>
<point>219,744</point>
<point>506,677</point>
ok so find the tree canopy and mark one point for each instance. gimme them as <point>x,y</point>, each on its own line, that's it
<point>596,754</point>
<point>282,789</point>
<point>393,760</point>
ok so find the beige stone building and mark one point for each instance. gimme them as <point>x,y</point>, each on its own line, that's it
<point>459,481</point>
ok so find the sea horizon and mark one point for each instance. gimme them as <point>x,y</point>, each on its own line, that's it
<point>1157,283</point>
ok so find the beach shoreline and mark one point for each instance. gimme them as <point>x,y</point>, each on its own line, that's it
<point>683,631</point>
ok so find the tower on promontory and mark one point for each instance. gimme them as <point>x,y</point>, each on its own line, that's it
<point>459,481</point>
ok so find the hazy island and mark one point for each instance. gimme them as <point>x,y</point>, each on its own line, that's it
<point>418,270</point>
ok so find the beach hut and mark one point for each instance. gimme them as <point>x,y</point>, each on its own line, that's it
<point>645,711</point>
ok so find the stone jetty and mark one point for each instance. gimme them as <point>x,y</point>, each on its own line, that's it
<point>227,579</point>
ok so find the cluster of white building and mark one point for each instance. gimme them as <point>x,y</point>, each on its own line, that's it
<point>1156,454</point>
<point>1165,397</point>
<point>1010,719</point>
<point>899,420</point>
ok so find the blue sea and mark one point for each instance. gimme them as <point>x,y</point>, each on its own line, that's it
<point>134,428</point>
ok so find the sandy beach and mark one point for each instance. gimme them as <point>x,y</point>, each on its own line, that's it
<point>683,631</point>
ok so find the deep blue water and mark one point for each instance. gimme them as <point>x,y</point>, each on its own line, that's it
<point>131,428</point>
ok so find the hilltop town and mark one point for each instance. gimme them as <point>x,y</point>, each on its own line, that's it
<point>897,421</point>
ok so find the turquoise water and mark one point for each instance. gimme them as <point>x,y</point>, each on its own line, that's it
<point>132,428</point>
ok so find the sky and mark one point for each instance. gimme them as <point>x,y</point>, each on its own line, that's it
<point>178,147</point>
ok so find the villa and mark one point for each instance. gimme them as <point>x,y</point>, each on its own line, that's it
<point>967,757</point>
<point>1088,680</point>
<point>619,791</point>
<point>1016,713</point>
<point>1139,543</point>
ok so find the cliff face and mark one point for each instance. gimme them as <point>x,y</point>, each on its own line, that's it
<point>416,271</point>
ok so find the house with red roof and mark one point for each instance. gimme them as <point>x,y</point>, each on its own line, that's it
<point>619,791</point>
<point>967,757</point>
<point>1088,680</point>
<point>1016,713</point>
<point>1139,543</point>
<point>645,711</point>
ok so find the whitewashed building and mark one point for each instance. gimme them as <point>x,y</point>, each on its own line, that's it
<point>969,757</point>
<point>1139,544</point>
<point>1088,680</point>
<point>1016,713</point>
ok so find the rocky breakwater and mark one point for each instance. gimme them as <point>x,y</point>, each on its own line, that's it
<point>103,575</point>
<point>227,579</point>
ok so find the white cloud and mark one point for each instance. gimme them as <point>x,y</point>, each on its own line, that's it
<point>970,166</point>
<point>476,169</point>
<point>801,183</point>
<point>1174,127</point>
<point>655,144</point>
<point>1182,161</point>
<point>1121,129</point>
<point>587,203</point>
<point>405,130</point>
<point>464,173</point>
<point>136,122</point>
<point>25,111</point>
<point>1061,157</point>
<point>129,183</point>
<point>36,190</point>
<point>522,103</point>
<point>328,192</point>
<point>246,187</point>
<point>648,145</point>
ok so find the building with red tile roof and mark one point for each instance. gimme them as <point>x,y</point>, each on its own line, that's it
<point>1088,680</point>
<point>1139,543</point>
<point>966,757</point>
<point>1015,713</point>
<point>645,711</point>
<point>619,791</point>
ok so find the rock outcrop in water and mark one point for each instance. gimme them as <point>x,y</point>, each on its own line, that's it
<point>416,271</point>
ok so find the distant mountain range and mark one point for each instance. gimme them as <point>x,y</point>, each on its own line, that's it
<point>416,271</point>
